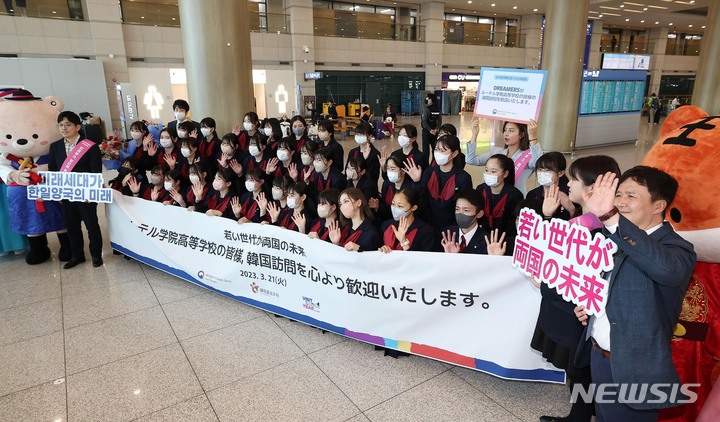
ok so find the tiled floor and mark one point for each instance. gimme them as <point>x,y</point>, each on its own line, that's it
<point>128,342</point>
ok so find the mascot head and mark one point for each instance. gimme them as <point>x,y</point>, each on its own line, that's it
<point>28,125</point>
<point>689,150</point>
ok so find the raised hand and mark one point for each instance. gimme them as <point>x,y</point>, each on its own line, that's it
<point>272,166</point>
<point>293,171</point>
<point>236,207</point>
<point>307,174</point>
<point>475,130</point>
<point>401,230</point>
<point>384,155</point>
<point>236,167</point>
<point>300,221</point>
<point>222,161</point>
<point>334,232</point>
<point>194,133</point>
<point>551,201</point>
<point>133,185</point>
<point>177,197</point>
<point>274,211</point>
<point>449,242</point>
<point>127,178</point>
<point>566,203</point>
<point>147,140</point>
<point>413,170</point>
<point>152,149</point>
<point>154,194</point>
<point>198,189</point>
<point>601,198</point>
<point>532,128</point>
<point>496,246</point>
<point>262,203</point>
<point>170,161</point>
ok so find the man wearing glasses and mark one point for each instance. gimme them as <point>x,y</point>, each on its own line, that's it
<point>83,156</point>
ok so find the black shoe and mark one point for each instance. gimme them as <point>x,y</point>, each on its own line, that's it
<point>73,262</point>
<point>97,262</point>
<point>552,419</point>
<point>64,254</point>
<point>39,251</point>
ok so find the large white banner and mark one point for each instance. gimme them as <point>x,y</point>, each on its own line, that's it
<point>471,310</point>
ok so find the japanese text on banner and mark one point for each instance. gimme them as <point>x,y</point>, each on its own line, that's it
<point>566,257</point>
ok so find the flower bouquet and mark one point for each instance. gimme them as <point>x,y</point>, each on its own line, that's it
<point>110,150</point>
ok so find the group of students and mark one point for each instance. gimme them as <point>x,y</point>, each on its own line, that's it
<point>255,174</point>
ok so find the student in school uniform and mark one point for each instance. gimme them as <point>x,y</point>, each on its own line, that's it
<point>299,211</point>
<point>199,184</point>
<point>155,190</point>
<point>357,175</point>
<point>327,215</point>
<point>256,154</point>
<point>305,163</point>
<point>468,235</point>
<point>359,233</point>
<point>439,184</point>
<point>128,170</point>
<point>140,140</point>
<point>298,135</point>
<point>405,231</point>
<point>363,133</point>
<point>250,128</point>
<point>550,173</point>
<point>231,157</point>
<point>218,202</point>
<point>396,181</point>
<point>186,130</point>
<point>210,145</point>
<point>252,205</point>
<point>500,196</point>
<point>273,132</point>
<point>189,155</point>
<point>166,155</point>
<point>174,187</point>
<point>407,139</point>
<point>181,108</point>
<point>325,176</point>
<point>284,163</point>
<point>279,191</point>
<point>326,134</point>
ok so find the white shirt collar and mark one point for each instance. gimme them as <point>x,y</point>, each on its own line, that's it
<point>469,235</point>
<point>653,229</point>
<point>73,142</point>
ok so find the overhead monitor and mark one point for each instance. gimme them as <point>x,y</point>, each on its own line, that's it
<point>626,61</point>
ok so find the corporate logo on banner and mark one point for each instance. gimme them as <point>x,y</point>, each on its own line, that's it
<point>257,289</point>
<point>309,304</point>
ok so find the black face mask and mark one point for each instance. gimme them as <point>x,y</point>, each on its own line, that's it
<point>464,221</point>
<point>124,171</point>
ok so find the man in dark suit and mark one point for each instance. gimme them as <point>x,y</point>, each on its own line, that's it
<point>631,340</point>
<point>77,212</point>
<point>181,108</point>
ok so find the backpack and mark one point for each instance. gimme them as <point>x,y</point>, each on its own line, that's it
<point>654,103</point>
<point>433,119</point>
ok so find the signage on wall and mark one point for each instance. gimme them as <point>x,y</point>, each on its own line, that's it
<point>311,76</point>
<point>153,102</point>
<point>460,77</point>
<point>281,98</point>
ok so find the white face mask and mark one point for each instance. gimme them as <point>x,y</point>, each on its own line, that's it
<point>490,179</point>
<point>254,150</point>
<point>277,194</point>
<point>283,154</point>
<point>182,133</point>
<point>397,212</point>
<point>194,178</point>
<point>205,131</point>
<point>166,143</point>
<point>306,159</point>
<point>319,167</point>
<point>180,115</point>
<point>545,178</point>
<point>404,141</point>
<point>323,210</point>
<point>351,174</point>
<point>440,158</point>
<point>218,184</point>
<point>168,185</point>
<point>185,152</point>
<point>250,186</point>
<point>393,176</point>
<point>136,135</point>
<point>291,202</point>
<point>361,139</point>
<point>226,149</point>
<point>248,126</point>
<point>324,136</point>
<point>155,179</point>
<point>268,131</point>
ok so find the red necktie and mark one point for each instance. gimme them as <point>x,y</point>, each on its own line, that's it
<point>462,244</point>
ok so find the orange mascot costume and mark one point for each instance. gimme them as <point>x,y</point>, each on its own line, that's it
<point>689,150</point>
